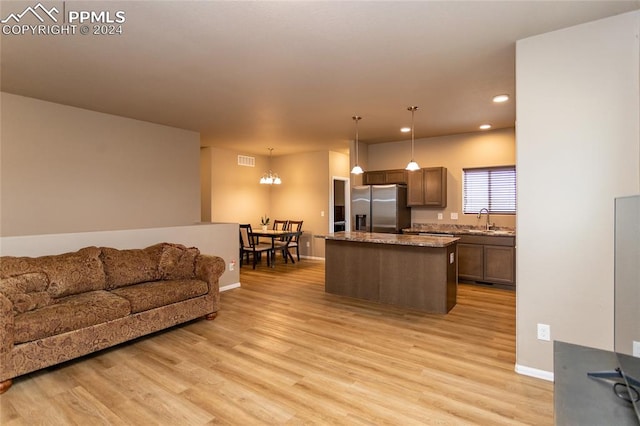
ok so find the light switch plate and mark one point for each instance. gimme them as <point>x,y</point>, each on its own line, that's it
<point>636,349</point>
<point>454,216</point>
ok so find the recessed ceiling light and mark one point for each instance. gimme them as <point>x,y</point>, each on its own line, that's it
<point>500,98</point>
<point>405,129</point>
<point>485,126</point>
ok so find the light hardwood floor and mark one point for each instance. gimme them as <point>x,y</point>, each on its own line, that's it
<point>283,352</point>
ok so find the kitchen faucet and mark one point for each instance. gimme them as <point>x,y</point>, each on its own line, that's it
<point>488,225</point>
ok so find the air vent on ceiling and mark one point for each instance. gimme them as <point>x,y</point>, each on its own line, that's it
<point>245,160</point>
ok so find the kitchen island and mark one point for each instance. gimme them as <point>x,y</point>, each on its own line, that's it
<point>418,272</point>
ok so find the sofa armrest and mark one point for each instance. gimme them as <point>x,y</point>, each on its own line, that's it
<point>209,269</point>
<point>6,324</point>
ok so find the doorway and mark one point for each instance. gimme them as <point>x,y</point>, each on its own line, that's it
<point>339,211</point>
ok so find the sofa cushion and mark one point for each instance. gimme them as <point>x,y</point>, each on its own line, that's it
<point>145,296</point>
<point>68,314</point>
<point>177,262</point>
<point>26,292</point>
<point>68,273</point>
<point>133,266</point>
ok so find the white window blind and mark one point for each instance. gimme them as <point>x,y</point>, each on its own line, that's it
<point>492,188</point>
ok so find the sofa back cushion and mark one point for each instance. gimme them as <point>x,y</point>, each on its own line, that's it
<point>68,273</point>
<point>178,262</point>
<point>133,266</point>
<point>26,292</point>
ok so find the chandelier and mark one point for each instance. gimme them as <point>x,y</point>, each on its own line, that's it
<point>270,178</point>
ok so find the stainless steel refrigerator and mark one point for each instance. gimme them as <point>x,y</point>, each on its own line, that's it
<point>380,208</point>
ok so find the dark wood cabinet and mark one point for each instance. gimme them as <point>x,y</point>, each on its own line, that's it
<point>487,259</point>
<point>385,177</point>
<point>499,264</point>
<point>471,261</point>
<point>427,187</point>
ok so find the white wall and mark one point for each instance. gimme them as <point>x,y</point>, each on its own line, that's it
<point>578,147</point>
<point>67,169</point>
<point>219,239</point>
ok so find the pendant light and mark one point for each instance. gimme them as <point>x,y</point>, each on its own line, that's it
<point>412,166</point>
<point>270,178</point>
<point>357,170</point>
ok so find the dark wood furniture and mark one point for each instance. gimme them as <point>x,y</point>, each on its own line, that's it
<point>487,259</point>
<point>403,270</point>
<point>427,187</point>
<point>294,241</point>
<point>280,240</point>
<point>250,246</point>
<point>385,177</point>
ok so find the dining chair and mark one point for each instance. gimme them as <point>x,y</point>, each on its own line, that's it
<point>249,245</point>
<point>295,225</point>
<point>279,225</point>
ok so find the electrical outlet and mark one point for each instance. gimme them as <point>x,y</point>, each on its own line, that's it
<point>636,349</point>
<point>454,216</point>
<point>232,265</point>
<point>544,332</point>
<point>322,213</point>
<point>440,216</point>
<point>308,244</point>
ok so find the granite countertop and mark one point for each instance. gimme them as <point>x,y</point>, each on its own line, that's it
<point>431,228</point>
<point>393,239</point>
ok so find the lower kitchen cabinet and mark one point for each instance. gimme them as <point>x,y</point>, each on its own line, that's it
<point>487,259</point>
<point>471,261</point>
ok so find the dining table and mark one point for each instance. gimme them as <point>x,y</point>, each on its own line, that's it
<point>277,234</point>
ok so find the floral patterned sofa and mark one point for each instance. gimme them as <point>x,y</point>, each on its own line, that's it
<point>60,307</point>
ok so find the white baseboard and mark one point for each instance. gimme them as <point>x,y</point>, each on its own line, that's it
<point>230,286</point>
<point>534,372</point>
<point>311,257</point>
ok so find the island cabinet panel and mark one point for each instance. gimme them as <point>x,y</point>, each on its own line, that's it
<point>422,278</point>
<point>347,280</point>
<point>427,187</point>
<point>385,177</point>
<point>414,279</point>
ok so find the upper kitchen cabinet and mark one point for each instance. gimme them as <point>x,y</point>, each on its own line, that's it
<point>427,187</point>
<point>385,177</point>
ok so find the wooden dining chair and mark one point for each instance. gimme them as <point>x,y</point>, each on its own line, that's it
<point>279,225</point>
<point>250,246</point>
<point>295,225</point>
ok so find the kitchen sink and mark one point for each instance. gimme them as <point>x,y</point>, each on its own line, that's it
<point>489,232</point>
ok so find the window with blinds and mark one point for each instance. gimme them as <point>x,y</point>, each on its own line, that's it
<point>492,188</point>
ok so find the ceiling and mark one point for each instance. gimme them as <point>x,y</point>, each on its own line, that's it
<point>290,75</point>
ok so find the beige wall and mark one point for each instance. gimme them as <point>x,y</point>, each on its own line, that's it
<point>66,169</point>
<point>237,196</point>
<point>304,195</point>
<point>578,144</point>
<point>482,149</point>
<point>235,192</point>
